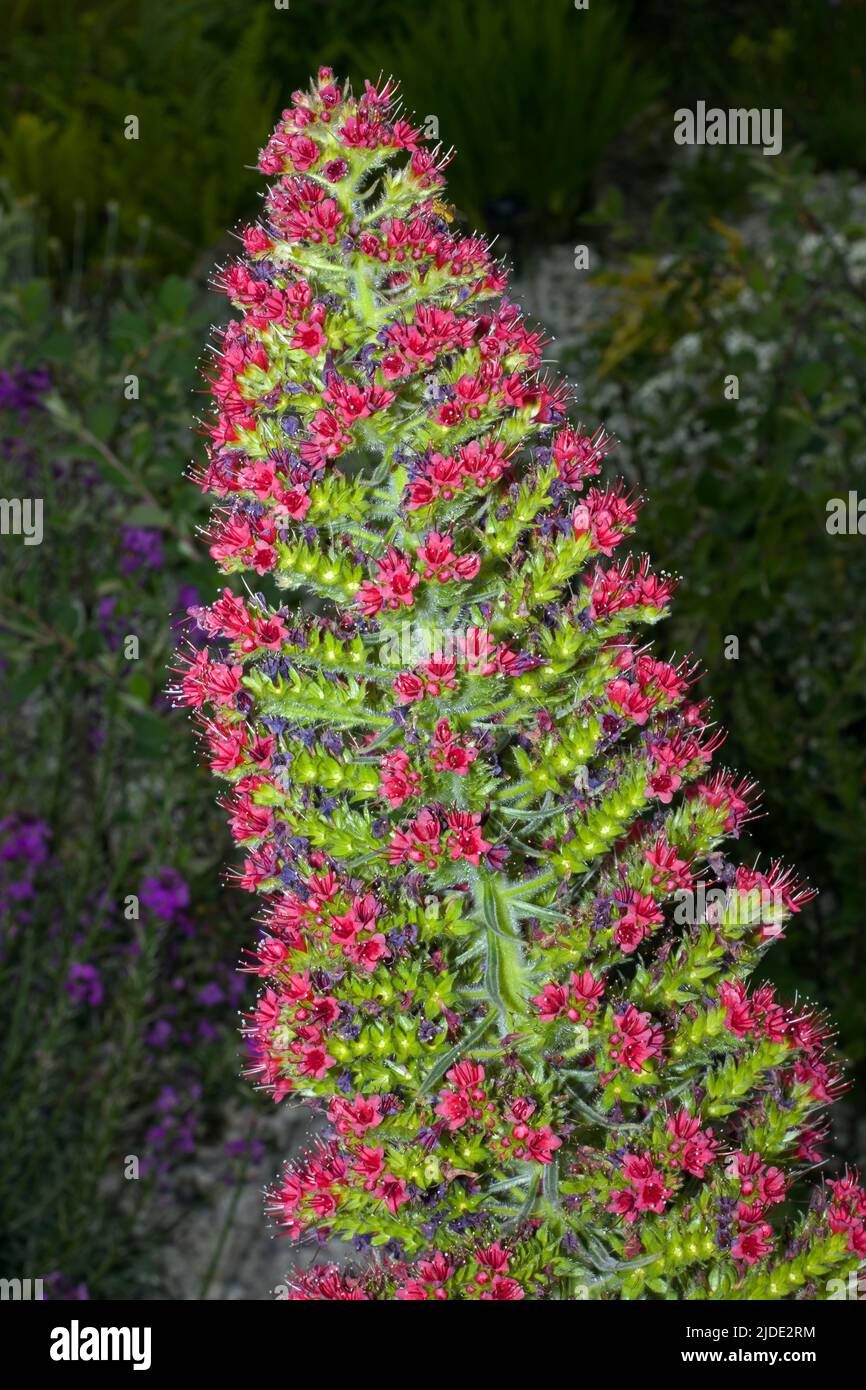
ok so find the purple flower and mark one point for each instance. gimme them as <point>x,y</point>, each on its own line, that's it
<point>22,390</point>
<point>142,549</point>
<point>57,1288</point>
<point>188,596</point>
<point>167,1100</point>
<point>84,984</point>
<point>20,889</point>
<point>166,894</point>
<point>160,1034</point>
<point>210,994</point>
<point>21,838</point>
<point>252,1148</point>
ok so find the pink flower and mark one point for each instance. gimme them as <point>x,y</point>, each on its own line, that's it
<point>541,1144</point>
<point>408,688</point>
<point>392,1192</point>
<point>639,915</point>
<point>503,1290</point>
<point>393,586</point>
<point>635,1039</point>
<point>355,1117</point>
<point>448,754</point>
<point>751,1246</point>
<point>464,837</point>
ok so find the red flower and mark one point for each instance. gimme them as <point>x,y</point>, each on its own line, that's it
<point>635,1039</point>
<point>540,1145</point>
<point>751,1246</point>
<point>504,1290</point>
<point>408,687</point>
<point>393,586</point>
<point>639,915</point>
<point>691,1148</point>
<point>367,330</point>
<point>464,838</point>
<point>355,1117</point>
<point>310,337</point>
<point>448,754</point>
<point>648,1191</point>
<point>419,843</point>
<point>397,779</point>
<point>576,1001</point>
<point>392,1192</point>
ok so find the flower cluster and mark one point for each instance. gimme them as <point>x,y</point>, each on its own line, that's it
<point>536,1075</point>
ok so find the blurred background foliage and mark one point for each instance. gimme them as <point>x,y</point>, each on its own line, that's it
<point>499,113</point>
<point>121,1029</point>
<point>206,77</point>
<point>119,947</point>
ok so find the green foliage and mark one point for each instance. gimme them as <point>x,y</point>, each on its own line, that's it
<point>200,76</point>
<point>93,754</point>
<point>535,97</point>
<point>805,56</point>
<point>203,76</point>
<point>525,158</point>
